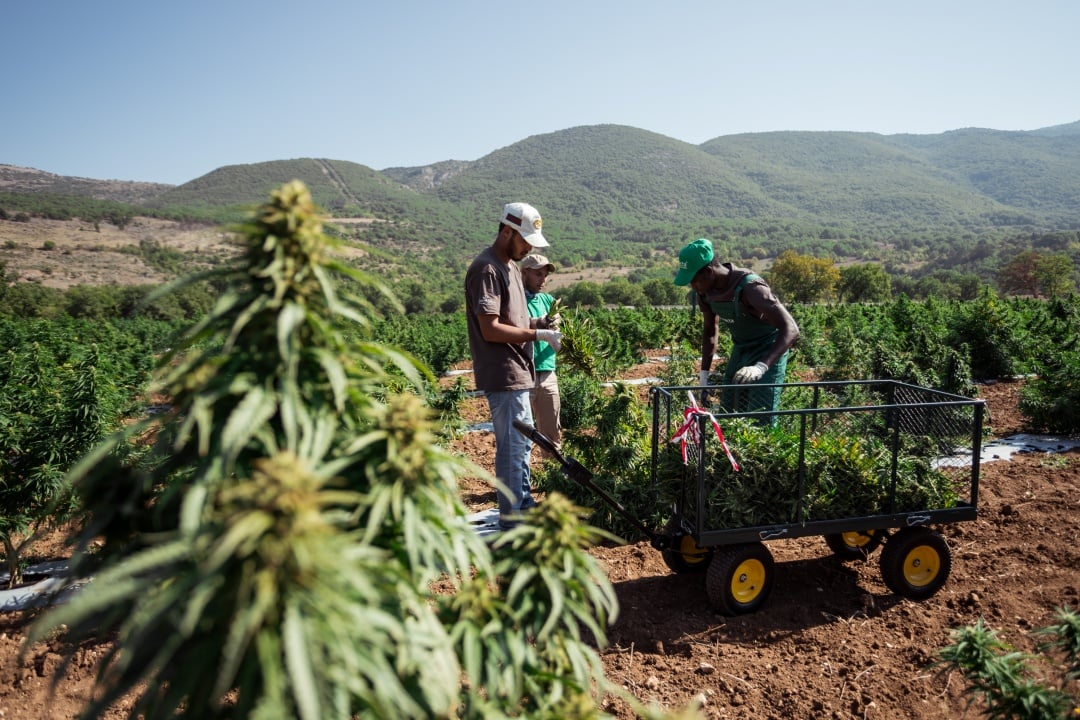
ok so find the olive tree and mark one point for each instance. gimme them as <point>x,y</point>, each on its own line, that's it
<point>803,278</point>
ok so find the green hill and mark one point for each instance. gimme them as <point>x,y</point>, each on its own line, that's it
<point>606,183</point>
<point>1034,173</point>
<point>617,195</point>
<point>857,180</point>
<point>343,188</point>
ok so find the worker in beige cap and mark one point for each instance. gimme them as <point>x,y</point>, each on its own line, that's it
<point>544,397</point>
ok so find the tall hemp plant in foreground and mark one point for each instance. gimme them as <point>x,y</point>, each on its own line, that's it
<point>277,556</point>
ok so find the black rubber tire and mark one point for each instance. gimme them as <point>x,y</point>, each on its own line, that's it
<point>686,556</point>
<point>740,578</point>
<point>915,563</point>
<point>854,545</point>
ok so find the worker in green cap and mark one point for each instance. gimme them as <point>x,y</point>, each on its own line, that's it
<point>762,330</point>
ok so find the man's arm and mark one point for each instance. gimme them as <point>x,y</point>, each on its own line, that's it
<point>495,331</point>
<point>771,310</point>
<point>708,336</point>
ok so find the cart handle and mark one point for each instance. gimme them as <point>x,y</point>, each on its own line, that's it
<point>581,475</point>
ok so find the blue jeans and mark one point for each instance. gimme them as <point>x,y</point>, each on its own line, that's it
<point>512,450</point>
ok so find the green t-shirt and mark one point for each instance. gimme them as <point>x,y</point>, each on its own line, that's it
<point>543,354</point>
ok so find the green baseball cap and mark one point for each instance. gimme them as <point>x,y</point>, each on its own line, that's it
<point>692,258</point>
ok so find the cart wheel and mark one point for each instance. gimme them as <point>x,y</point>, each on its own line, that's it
<point>740,578</point>
<point>685,555</point>
<point>915,563</point>
<point>855,545</point>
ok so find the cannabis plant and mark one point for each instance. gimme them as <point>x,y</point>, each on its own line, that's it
<point>277,554</point>
<point>50,414</point>
<point>1005,680</point>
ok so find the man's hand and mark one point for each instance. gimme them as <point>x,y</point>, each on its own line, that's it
<point>551,337</point>
<point>750,373</point>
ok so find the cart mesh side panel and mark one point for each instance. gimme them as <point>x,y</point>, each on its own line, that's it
<point>833,451</point>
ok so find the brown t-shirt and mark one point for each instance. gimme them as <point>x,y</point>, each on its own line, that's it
<point>494,288</point>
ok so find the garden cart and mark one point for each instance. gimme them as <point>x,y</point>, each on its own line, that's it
<point>864,464</point>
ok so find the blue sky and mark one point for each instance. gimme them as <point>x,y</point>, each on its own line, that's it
<point>169,91</point>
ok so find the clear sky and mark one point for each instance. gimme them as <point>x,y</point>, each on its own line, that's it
<point>169,91</point>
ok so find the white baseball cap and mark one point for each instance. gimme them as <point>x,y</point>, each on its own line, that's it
<point>526,220</point>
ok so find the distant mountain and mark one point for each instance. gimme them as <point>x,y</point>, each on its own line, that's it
<point>427,177</point>
<point>612,193</point>
<point>344,188</point>
<point>857,179</point>
<point>612,177</point>
<point>1058,130</point>
<point>29,180</point>
<point>1037,173</point>
<point>607,179</point>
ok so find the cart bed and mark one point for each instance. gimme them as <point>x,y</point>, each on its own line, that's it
<point>838,457</point>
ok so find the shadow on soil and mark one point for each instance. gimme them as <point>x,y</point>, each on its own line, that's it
<point>674,610</point>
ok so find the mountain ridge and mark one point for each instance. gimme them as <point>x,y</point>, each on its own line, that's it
<point>616,194</point>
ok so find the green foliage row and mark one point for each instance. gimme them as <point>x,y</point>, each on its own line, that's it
<point>1051,399</point>
<point>103,303</point>
<point>63,386</point>
<point>935,343</point>
<point>68,207</point>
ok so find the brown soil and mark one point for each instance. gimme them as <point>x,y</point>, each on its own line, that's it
<point>832,641</point>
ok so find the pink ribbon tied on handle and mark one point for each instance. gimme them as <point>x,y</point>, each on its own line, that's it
<point>688,431</point>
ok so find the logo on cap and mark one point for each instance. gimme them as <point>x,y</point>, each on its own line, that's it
<point>537,223</point>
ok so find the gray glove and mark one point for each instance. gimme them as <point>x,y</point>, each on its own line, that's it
<point>750,373</point>
<point>551,337</point>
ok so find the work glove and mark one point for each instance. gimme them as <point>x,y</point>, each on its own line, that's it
<point>551,337</point>
<point>750,373</point>
<point>550,322</point>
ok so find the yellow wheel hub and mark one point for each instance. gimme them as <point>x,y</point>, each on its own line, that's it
<point>691,552</point>
<point>921,566</point>
<point>747,581</point>
<point>856,539</point>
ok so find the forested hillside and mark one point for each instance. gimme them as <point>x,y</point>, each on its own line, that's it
<point>965,201</point>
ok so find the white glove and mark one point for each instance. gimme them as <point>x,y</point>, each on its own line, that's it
<point>750,373</point>
<point>553,321</point>
<point>703,377</point>
<point>551,337</point>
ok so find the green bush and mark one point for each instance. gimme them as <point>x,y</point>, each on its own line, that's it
<point>52,410</point>
<point>1051,400</point>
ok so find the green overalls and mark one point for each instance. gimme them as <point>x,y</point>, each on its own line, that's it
<point>751,340</point>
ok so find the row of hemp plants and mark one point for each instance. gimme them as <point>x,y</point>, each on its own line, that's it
<point>64,385</point>
<point>294,545</point>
